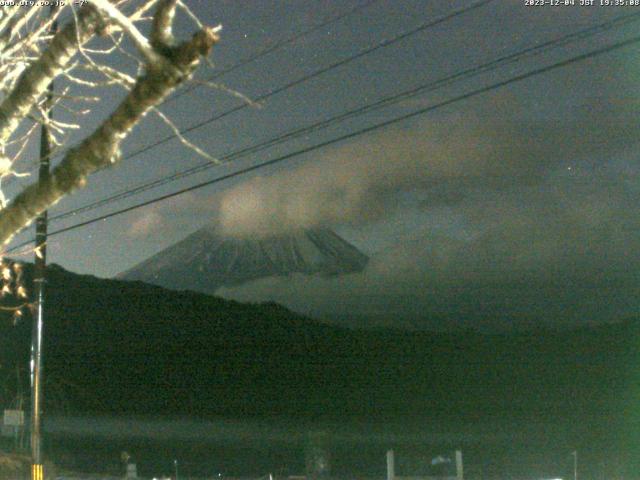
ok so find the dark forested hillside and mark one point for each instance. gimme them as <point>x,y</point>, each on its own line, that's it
<point>126,347</point>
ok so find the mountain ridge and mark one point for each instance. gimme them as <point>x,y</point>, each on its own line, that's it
<point>132,338</point>
<point>207,260</point>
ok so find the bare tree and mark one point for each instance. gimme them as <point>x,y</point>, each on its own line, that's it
<point>81,55</point>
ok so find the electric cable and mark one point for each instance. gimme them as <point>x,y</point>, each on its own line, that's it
<point>377,126</point>
<point>276,46</point>
<point>389,100</point>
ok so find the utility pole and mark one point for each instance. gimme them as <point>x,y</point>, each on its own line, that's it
<point>39,281</point>
<point>19,438</point>
<point>575,464</point>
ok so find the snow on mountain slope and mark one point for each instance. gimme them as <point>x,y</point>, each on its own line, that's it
<point>206,260</point>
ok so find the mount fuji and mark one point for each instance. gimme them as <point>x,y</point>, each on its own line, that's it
<point>207,260</point>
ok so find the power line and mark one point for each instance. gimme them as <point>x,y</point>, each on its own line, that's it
<point>310,76</point>
<point>276,46</point>
<point>317,73</point>
<point>260,54</point>
<point>389,100</point>
<point>422,111</point>
<point>367,51</point>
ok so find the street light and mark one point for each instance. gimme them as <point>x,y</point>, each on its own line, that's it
<point>175,467</point>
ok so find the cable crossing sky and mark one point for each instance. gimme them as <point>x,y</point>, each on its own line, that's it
<point>377,126</point>
<point>384,102</point>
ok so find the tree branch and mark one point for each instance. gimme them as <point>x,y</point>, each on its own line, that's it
<point>139,40</point>
<point>161,30</point>
<point>102,148</point>
<point>35,79</point>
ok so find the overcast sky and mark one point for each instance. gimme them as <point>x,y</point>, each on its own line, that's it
<point>516,206</point>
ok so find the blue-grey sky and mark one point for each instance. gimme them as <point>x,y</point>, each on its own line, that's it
<point>520,204</point>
